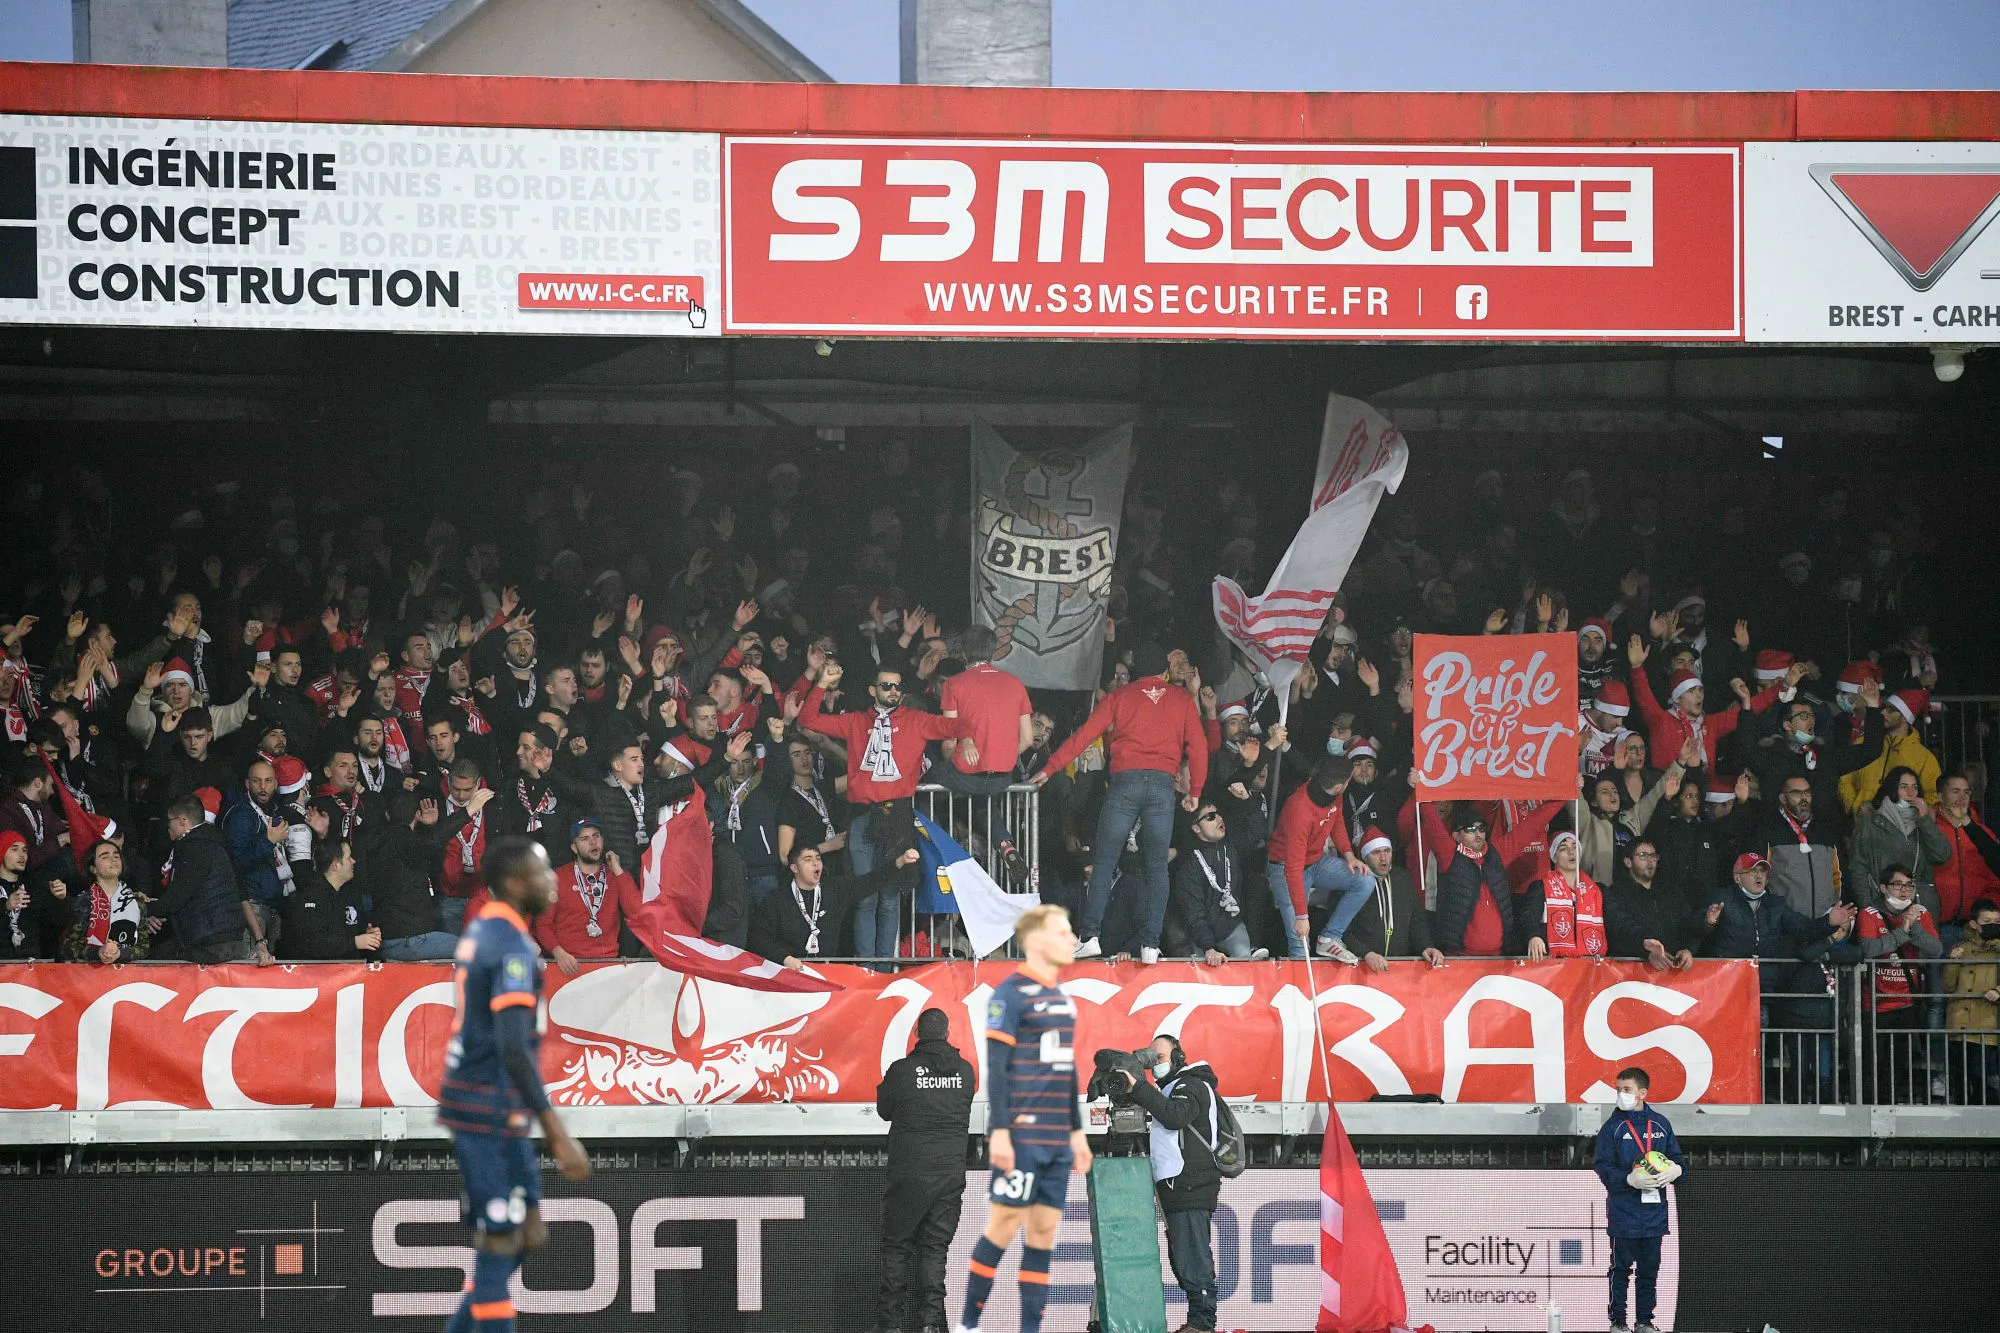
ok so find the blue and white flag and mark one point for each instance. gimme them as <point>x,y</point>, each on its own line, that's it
<point>954,882</point>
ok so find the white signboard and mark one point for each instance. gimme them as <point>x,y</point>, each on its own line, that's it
<point>1872,242</point>
<point>1476,1249</point>
<point>409,228</point>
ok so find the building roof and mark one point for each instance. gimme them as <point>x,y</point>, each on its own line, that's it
<point>389,34</point>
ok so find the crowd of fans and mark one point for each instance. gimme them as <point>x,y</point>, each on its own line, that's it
<point>288,728</point>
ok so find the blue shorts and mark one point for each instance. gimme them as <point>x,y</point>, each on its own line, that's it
<point>1040,1176</point>
<point>502,1180</point>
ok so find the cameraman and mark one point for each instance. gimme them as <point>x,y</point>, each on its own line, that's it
<point>1184,1130</point>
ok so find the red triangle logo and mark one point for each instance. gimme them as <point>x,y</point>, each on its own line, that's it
<point>1919,217</point>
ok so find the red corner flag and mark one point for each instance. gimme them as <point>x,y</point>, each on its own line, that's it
<point>1360,1290</point>
<point>676,877</point>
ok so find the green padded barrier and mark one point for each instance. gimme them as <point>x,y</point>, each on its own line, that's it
<point>1125,1235</point>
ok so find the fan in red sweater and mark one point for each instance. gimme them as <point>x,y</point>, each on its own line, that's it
<point>593,897</point>
<point>1670,728</point>
<point>1155,731</point>
<point>885,759</point>
<point>1310,853</point>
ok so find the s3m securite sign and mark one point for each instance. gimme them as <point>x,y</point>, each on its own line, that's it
<point>394,228</point>
<point>1872,242</point>
<point>1155,240</point>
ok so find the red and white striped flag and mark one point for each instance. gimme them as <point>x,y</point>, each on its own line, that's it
<point>1361,457</point>
<point>1360,1290</point>
<point>676,876</point>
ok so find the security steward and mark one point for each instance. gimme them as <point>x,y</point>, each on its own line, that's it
<point>1185,1129</point>
<point>927,1099</point>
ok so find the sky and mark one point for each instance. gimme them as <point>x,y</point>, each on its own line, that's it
<point>1406,45</point>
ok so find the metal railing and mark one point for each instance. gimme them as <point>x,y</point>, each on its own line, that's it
<point>1887,1032</point>
<point>1954,733</point>
<point>985,826</point>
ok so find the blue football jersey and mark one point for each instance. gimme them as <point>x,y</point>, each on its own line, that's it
<point>497,965</point>
<point>1037,1024</point>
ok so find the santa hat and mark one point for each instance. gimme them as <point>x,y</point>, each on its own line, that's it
<point>680,755</point>
<point>1855,674</point>
<point>1375,840</point>
<point>1681,682</point>
<point>1613,699</point>
<point>1360,750</point>
<point>292,773</point>
<point>1773,663</point>
<point>178,670</point>
<point>1555,844</point>
<point>1721,790</point>
<point>1234,710</point>
<point>1911,703</point>
<point>211,802</point>
<point>1597,625</point>
<point>1693,598</point>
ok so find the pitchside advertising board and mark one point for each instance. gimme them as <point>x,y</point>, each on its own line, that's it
<point>751,1250</point>
<point>1148,240</point>
<point>395,228</point>
<point>1873,242</point>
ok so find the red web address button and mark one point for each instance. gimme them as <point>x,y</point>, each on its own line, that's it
<point>669,293</point>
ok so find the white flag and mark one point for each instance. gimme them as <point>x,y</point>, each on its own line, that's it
<point>1361,457</point>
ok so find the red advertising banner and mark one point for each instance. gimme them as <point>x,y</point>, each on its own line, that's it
<point>1025,238</point>
<point>340,1035</point>
<point>1496,716</point>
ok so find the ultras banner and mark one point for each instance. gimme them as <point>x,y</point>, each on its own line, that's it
<point>1046,535</point>
<point>410,228</point>
<point>338,1035</point>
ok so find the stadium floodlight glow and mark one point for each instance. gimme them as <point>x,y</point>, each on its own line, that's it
<point>1948,363</point>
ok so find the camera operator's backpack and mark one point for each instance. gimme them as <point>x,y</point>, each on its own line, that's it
<point>1229,1148</point>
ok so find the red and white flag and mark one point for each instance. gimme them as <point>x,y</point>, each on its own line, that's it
<point>676,876</point>
<point>1360,1290</point>
<point>1361,457</point>
<point>86,830</point>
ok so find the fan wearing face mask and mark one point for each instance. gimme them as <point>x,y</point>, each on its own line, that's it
<point>1899,829</point>
<point>1896,931</point>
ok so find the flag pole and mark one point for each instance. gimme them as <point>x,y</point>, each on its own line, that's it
<point>1319,1036</point>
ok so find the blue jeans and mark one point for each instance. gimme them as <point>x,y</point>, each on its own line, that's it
<point>1142,797</point>
<point>451,914</point>
<point>1329,872</point>
<point>877,924</point>
<point>762,882</point>
<point>432,944</point>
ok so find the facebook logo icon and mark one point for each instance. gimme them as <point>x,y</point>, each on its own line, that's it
<point>1472,303</point>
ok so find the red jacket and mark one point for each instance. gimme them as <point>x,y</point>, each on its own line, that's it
<point>1667,730</point>
<point>567,922</point>
<point>1153,724</point>
<point>909,730</point>
<point>1299,838</point>
<point>1967,877</point>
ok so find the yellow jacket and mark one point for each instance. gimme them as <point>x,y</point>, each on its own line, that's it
<point>1966,984</point>
<point>1906,751</point>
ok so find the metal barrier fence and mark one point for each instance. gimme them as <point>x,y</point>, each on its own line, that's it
<point>1885,1032</point>
<point>985,826</point>
<point>1960,731</point>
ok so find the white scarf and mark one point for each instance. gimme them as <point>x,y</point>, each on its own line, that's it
<point>736,795</point>
<point>1224,887</point>
<point>812,917</point>
<point>879,759</point>
<point>592,890</point>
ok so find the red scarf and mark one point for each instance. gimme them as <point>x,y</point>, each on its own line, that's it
<point>475,721</point>
<point>104,910</point>
<point>395,747</point>
<point>1574,915</point>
